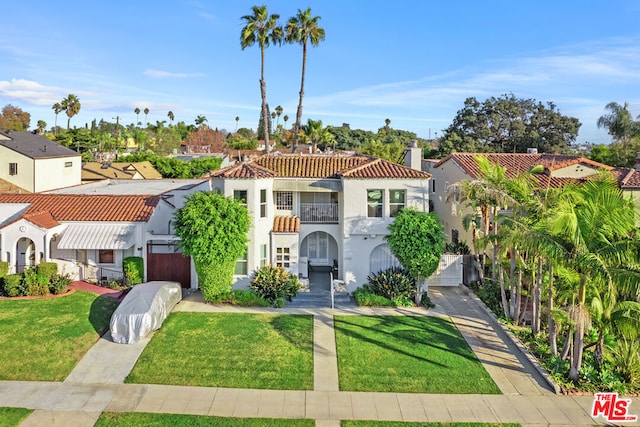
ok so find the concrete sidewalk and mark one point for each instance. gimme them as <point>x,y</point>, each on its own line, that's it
<point>95,385</point>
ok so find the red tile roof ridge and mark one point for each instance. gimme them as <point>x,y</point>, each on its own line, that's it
<point>286,224</point>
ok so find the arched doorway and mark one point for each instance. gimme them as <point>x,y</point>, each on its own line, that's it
<point>382,258</point>
<point>25,254</point>
<point>320,249</point>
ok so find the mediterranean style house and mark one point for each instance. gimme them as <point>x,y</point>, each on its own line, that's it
<point>558,171</point>
<point>313,210</point>
<point>34,163</point>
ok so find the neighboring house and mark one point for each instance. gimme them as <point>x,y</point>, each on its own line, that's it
<point>96,171</point>
<point>7,187</point>
<point>321,210</point>
<point>559,170</point>
<point>36,164</point>
<point>89,229</point>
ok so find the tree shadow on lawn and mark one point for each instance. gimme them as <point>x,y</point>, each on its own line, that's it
<point>413,334</point>
<point>100,313</point>
<point>297,329</point>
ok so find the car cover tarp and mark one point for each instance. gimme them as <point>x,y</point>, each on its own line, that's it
<point>143,310</point>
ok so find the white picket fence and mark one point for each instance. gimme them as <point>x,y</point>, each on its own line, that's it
<point>449,272</point>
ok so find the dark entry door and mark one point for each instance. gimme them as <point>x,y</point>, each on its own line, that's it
<point>164,265</point>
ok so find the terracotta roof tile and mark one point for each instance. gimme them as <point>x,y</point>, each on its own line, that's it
<point>627,178</point>
<point>42,219</point>
<point>74,207</point>
<point>244,170</point>
<point>318,167</point>
<point>517,163</point>
<point>286,224</point>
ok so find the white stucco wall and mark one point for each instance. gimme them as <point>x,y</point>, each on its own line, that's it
<point>51,174</point>
<point>25,176</point>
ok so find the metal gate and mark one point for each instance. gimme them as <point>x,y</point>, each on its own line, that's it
<point>163,263</point>
<point>449,272</point>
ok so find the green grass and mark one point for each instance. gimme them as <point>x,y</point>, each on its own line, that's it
<point>43,339</point>
<point>135,419</point>
<point>11,417</point>
<point>230,350</point>
<point>407,354</point>
<point>405,424</point>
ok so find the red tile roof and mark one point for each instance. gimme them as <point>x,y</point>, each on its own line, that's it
<point>286,224</point>
<point>627,178</point>
<point>318,167</point>
<point>76,207</point>
<point>517,163</point>
<point>42,219</point>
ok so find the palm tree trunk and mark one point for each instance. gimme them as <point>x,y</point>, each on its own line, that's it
<point>578,340</point>
<point>537,291</point>
<point>494,258</point>
<point>553,332</point>
<point>263,93</point>
<point>598,354</point>
<point>503,293</point>
<point>568,345</point>
<point>516,314</point>
<point>296,129</point>
<point>512,282</point>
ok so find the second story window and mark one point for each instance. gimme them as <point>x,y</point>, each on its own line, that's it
<point>375,202</point>
<point>13,169</point>
<point>396,201</point>
<point>284,200</point>
<point>263,203</point>
<point>241,265</point>
<point>241,196</point>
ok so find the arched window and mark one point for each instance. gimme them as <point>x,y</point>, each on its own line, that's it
<point>381,258</point>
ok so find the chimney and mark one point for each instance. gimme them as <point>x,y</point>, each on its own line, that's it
<point>413,155</point>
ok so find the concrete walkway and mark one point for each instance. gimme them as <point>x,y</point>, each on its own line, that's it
<point>95,385</point>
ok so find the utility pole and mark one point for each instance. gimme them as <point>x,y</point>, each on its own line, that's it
<point>117,134</point>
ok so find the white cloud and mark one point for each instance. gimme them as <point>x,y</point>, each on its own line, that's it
<point>30,92</point>
<point>167,74</point>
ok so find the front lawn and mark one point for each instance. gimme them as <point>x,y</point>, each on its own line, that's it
<point>406,354</point>
<point>230,350</point>
<point>43,339</point>
<point>11,417</point>
<point>405,424</point>
<point>135,419</point>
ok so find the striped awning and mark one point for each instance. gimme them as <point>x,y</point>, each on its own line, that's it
<point>97,236</point>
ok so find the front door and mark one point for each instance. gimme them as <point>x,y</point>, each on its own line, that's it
<point>318,248</point>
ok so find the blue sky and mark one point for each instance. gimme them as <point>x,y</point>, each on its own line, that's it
<point>412,61</point>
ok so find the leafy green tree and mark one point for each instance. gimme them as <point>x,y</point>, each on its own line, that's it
<point>301,29</point>
<point>393,152</point>
<point>263,29</point>
<point>417,240</point>
<point>317,134</point>
<point>13,118</point>
<point>213,231</point>
<point>71,107</point>
<point>509,124</point>
<point>349,139</point>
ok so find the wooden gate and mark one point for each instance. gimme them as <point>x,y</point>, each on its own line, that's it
<point>164,264</point>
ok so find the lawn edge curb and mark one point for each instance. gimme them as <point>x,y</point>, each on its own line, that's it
<point>526,353</point>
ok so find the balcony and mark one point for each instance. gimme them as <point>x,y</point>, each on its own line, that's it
<point>319,212</point>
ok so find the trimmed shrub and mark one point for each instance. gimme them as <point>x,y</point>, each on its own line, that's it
<point>59,284</point>
<point>35,284</point>
<point>274,283</point>
<point>392,283</point>
<point>133,268</point>
<point>48,269</point>
<point>214,280</point>
<point>241,297</point>
<point>13,285</point>
<point>365,298</point>
<point>4,268</point>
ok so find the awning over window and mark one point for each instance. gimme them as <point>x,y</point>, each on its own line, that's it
<point>97,236</point>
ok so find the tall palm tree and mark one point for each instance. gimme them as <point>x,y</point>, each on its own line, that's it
<point>279,111</point>
<point>71,106</point>
<point>237,120</point>
<point>56,109</point>
<point>200,120</point>
<point>263,29</point>
<point>301,29</point>
<point>146,113</point>
<point>285,119</point>
<point>618,122</point>
<point>137,111</point>
<point>171,116</point>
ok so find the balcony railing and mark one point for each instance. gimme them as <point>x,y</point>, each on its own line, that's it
<point>318,212</point>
